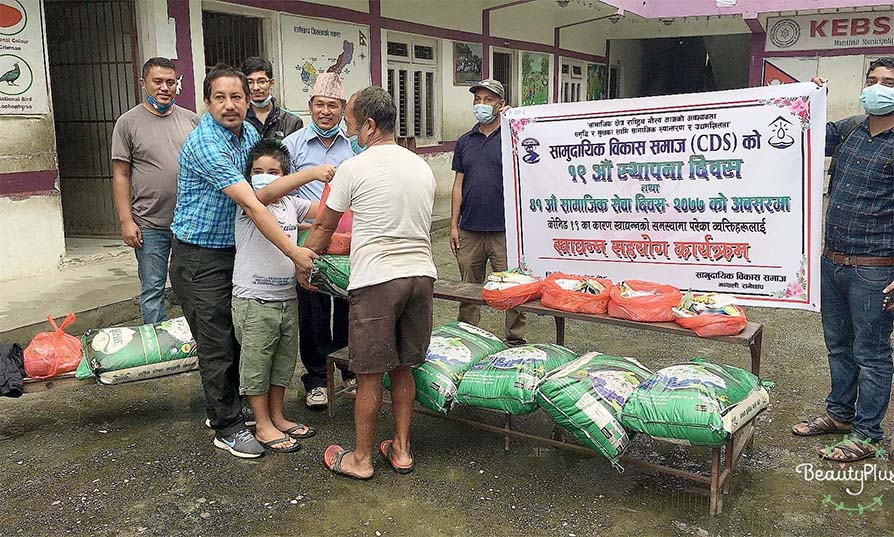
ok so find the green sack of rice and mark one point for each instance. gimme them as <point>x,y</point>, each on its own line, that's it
<point>697,403</point>
<point>508,380</point>
<point>123,354</point>
<point>330,274</point>
<point>586,396</point>
<point>455,347</point>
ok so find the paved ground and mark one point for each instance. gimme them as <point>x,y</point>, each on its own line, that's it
<point>135,460</point>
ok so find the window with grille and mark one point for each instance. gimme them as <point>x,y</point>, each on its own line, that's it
<point>230,39</point>
<point>571,83</point>
<point>412,73</point>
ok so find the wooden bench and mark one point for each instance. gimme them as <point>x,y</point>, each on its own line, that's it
<point>723,459</point>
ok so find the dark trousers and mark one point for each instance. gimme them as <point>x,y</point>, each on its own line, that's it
<point>322,329</point>
<point>202,279</point>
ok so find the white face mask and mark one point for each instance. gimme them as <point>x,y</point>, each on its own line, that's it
<point>260,180</point>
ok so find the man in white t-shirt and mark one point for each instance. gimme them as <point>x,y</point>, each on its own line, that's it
<point>391,192</point>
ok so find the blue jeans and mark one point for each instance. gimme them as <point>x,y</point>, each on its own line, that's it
<point>152,267</point>
<point>858,337</point>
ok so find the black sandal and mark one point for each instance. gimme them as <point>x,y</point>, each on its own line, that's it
<point>271,445</point>
<point>820,425</point>
<point>852,449</point>
<point>293,431</point>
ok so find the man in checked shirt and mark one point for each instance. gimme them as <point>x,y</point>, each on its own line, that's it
<point>857,265</point>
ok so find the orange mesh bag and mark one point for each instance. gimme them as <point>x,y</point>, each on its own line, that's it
<point>714,324</point>
<point>506,290</point>
<point>629,302</point>
<point>557,296</point>
<point>340,244</point>
<point>53,353</point>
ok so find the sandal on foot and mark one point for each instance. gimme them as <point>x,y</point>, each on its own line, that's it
<point>271,445</point>
<point>385,450</point>
<point>820,425</point>
<point>293,431</point>
<point>332,458</point>
<point>852,450</point>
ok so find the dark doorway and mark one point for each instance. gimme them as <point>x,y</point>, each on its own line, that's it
<point>502,71</point>
<point>695,64</point>
<point>92,48</point>
<point>230,39</point>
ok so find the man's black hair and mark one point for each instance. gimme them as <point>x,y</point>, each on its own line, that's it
<point>223,70</point>
<point>887,62</point>
<point>269,148</point>
<point>255,64</point>
<point>376,103</point>
<point>158,61</point>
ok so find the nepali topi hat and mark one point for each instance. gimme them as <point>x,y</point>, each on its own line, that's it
<point>329,85</point>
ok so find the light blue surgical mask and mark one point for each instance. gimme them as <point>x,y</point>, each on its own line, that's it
<point>262,103</point>
<point>484,113</point>
<point>327,133</point>
<point>161,108</point>
<point>878,100</point>
<point>260,180</point>
<point>355,145</point>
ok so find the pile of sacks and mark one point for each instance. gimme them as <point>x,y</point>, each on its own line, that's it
<point>602,400</point>
<point>709,315</point>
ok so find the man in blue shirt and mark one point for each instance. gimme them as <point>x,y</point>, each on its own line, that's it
<point>477,221</point>
<point>322,321</point>
<point>857,265</point>
<point>210,183</point>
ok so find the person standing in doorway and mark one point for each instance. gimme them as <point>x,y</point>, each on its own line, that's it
<point>146,141</point>
<point>477,222</point>
<point>272,121</point>
<point>210,183</point>
<point>322,321</point>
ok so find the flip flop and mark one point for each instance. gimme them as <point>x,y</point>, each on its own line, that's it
<point>293,431</point>
<point>852,449</point>
<point>332,458</point>
<point>820,425</point>
<point>385,450</point>
<point>288,449</point>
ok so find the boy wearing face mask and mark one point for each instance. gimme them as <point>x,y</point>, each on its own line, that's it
<point>273,122</point>
<point>477,227</point>
<point>145,144</point>
<point>265,303</point>
<point>857,265</point>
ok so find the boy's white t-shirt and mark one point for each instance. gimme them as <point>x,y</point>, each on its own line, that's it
<point>391,192</point>
<point>261,270</point>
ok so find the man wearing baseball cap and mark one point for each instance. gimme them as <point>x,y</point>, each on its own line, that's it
<point>322,321</point>
<point>477,226</point>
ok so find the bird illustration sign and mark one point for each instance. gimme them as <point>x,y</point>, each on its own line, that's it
<point>23,59</point>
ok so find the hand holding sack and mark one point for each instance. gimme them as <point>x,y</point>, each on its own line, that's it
<point>642,301</point>
<point>710,315</point>
<point>506,290</point>
<point>577,294</point>
<point>53,353</point>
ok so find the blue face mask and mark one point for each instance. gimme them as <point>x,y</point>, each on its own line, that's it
<point>325,134</point>
<point>878,100</point>
<point>161,108</point>
<point>260,180</point>
<point>355,145</point>
<point>484,113</point>
<point>262,103</point>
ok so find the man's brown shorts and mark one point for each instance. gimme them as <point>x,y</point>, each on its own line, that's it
<point>390,324</point>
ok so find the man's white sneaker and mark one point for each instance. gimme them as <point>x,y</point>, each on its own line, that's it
<point>317,398</point>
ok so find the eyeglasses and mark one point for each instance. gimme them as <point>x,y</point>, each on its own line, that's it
<point>259,82</point>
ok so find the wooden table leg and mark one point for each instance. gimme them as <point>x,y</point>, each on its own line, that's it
<point>756,347</point>
<point>507,425</point>
<point>330,386</point>
<point>729,462</point>
<point>560,330</point>
<point>716,499</point>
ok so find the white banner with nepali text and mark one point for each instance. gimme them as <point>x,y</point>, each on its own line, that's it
<point>714,192</point>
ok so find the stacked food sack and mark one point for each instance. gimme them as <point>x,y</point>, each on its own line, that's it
<point>455,347</point>
<point>697,403</point>
<point>509,289</point>
<point>643,301</point>
<point>123,354</point>
<point>710,315</point>
<point>578,294</point>
<point>586,396</point>
<point>507,380</point>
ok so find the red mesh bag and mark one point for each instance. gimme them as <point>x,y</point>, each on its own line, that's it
<point>347,219</point>
<point>653,308</point>
<point>506,299</point>
<point>562,299</point>
<point>53,353</point>
<point>714,324</point>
